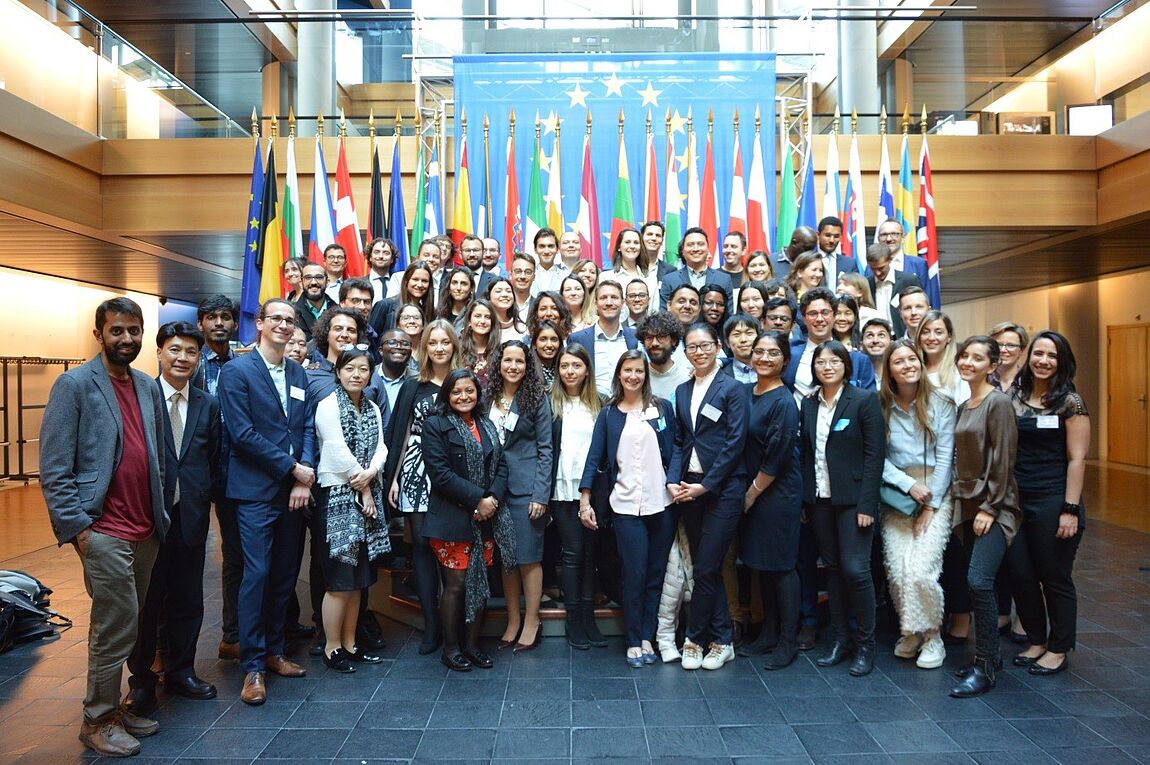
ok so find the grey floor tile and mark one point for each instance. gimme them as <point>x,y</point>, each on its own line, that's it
<point>327,714</point>
<point>726,711</point>
<point>1058,733</point>
<point>304,743</point>
<point>905,737</point>
<point>536,689</point>
<point>618,713</point>
<point>596,743</point>
<point>816,709</point>
<point>685,741</point>
<point>836,738</point>
<point>272,714</point>
<point>673,712</point>
<point>1025,705</point>
<point>1094,756</point>
<point>379,743</point>
<point>988,736</point>
<point>533,745</point>
<point>465,714</point>
<point>942,707</point>
<point>1089,704</point>
<point>761,740</point>
<point>221,743</point>
<point>1122,731</point>
<point>884,709</point>
<point>396,714</point>
<point>457,744</point>
<point>536,714</point>
<point>583,689</point>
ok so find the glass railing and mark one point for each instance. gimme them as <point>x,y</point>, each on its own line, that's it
<point>58,57</point>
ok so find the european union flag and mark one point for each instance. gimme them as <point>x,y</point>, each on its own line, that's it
<point>250,286</point>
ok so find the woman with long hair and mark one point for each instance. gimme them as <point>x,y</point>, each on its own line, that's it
<point>410,322</point>
<point>478,337</point>
<point>843,446</point>
<point>753,302</point>
<point>349,504</point>
<point>405,474</point>
<point>576,297</point>
<point>855,284</point>
<point>757,268</point>
<point>806,274</point>
<point>633,443</point>
<point>935,337</point>
<point>587,272</point>
<point>458,292</point>
<point>1053,440</point>
<point>1012,342</point>
<point>630,261</point>
<point>521,412</point>
<point>987,513</point>
<point>501,295</point>
<point>919,453</point>
<point>549,306</point>
<point>545,344</point>
<point>574,407</point>
<point>846,323</point>
<point>467,516</point>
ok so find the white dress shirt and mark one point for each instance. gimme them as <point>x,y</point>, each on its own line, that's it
<point>698,393</point>
<point>822,432</point>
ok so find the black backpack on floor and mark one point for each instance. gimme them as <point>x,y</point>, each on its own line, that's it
<point>25,610</point>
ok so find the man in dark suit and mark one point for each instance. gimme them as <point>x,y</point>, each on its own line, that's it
<point>265,406</point>
<point>886,284</point>
<point>829,235</point>
<point>890,233</point>
<point>102,476</point>
<point>694,252</point>
<point>315,299</point>
<point>803,239</point>
<point>471,249</point>
<point>817,308</point>
<point>606,340</point>
<point>192,450</point>
<point>653,233</point>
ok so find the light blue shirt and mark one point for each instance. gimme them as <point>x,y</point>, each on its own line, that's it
<point>908,449</point>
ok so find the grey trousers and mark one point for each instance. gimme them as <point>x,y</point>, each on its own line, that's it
<point>116,575</point>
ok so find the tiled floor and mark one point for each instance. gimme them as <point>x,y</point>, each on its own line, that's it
<point>559,705</point>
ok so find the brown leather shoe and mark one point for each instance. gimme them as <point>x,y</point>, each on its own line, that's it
<point>255,690</point>
<point>283,666</point>
<point>109,739</point>
<point>138,725</point>
<point>229,651</point>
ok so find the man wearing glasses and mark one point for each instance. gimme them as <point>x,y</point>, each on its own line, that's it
<point>817,309</point>
<point>395,353</point>
<point>334,264</point>
<point>638,299</point>
<point>890,233</point>
<point>315,299</point>
<point>264,403</point>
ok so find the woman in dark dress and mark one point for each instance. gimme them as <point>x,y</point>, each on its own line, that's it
<point>467,516</point>
<point>773,502</point>
<point>1053,439</point>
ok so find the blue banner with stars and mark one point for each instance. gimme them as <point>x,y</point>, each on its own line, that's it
<point>564,88</point>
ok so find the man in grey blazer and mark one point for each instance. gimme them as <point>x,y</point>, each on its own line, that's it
<point>101,473</point>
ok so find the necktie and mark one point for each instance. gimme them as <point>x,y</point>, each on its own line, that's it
<point>177,435</point>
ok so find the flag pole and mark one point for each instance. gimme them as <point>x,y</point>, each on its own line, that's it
<point>906,119</point>
<point>319,128</point>
<point>882,121</point>
<point>274,132</point>
<point>371,131</point>
<point>854,122</point>
<point>437,135</point>
<point>291,122</point>
<point>486,177</point>
<point>255,125</point>
<point>342,124</point>
<point>922,121</point>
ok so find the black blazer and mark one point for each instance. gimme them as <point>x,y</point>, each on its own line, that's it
<point>383,315</point>
<point>602,456</point>
<point>902,280</point>
<point>677,278</point>
<point>719,443</point>
<point>197,464</point>
<point>453,496</point>
<point>856,448</point>
<point>304,317</point>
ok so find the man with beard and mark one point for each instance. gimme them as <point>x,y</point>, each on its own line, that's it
<point>315,299</point>
<point>395,353</point>
<point>176,593</point>
<point>471,249</point>
<point>492,258</point>
<point>102,477</point>
<point>265,406</point>
<point>661,335</point>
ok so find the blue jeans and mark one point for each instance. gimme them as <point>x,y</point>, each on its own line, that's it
<point>644,544</point>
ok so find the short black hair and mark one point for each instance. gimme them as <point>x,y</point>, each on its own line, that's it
<point>830,220</point>
<point>350,355</point>
<point>121,305</point>
<point>818,293</point>
<point>334,246</point>
<point>216,304</point>
<point>778,302</point>
<point>179,329</point>
<point>543,233</point>
<point>840,351</point>
<point>357,283</point>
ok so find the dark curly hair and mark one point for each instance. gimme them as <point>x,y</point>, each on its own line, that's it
<point>323,326</point>
<point>530,394</point>
<point>563,327</point>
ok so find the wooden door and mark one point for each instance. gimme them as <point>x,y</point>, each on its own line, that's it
<point>1127,392</point>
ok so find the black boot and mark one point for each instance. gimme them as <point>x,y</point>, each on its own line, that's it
<point>590,626</point>
<point>963,671</point>
<point>783,656</point>
<point>864,660</point>
<point>980,680</point>
<point>576,632</point>
<point>766,641</point>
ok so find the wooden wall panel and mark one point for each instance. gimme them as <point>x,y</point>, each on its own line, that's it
<point>43,181</point>
<point>1122,188</point>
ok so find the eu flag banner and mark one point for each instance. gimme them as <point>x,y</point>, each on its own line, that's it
<point>573,86</point>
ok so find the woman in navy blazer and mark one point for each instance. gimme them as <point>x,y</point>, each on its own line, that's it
<point>638,500</point>
<point>705,478</point>
<point>843,443</point>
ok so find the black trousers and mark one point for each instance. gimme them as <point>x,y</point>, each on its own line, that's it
<point>1041,568</point>
<point>955,562</point>
<point>232,568</point>
<point>644,544</point>
<point>578,555</point>
<point>710,523</point>
<point>984,555</point>
<point>176,594</point>
<point>846,549</point>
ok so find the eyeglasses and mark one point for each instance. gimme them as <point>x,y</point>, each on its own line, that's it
<point>522,271</point>
<point>1010,346</point>
<point>320,278</point>
<point>637,296</point>
<point>824,314</point>
<point>276,319</point>
<point>828,363</point>
<point>769,353</point>
<point>714,304</point>
<point>890,234</point>
<point>356,347</point>
<point>396,344</point>
<point>701,347</point>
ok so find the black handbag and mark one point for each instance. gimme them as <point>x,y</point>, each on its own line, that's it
<point>898,500</point>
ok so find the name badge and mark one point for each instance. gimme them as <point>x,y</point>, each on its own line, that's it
<point>511,421</point>
<point>650,413</point>
<point>1047,422</point>
<point>711,413</point>
<point>842,424</point>
<point>661,425</point>
<point>296,392</point>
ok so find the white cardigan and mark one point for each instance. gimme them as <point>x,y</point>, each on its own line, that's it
<point>336,462</point>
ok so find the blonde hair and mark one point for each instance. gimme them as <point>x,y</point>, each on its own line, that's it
<point>947,371</point>
<point>425,369</point>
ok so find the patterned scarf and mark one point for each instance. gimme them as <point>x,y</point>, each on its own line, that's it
<point>347,527</point>
<point>481,473</point>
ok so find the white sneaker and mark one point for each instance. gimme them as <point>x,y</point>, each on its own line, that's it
<point>933,654</point>
<point>692,656</point>
<point>719,655</point>
<point>908,645</point>
<point>669,653</point>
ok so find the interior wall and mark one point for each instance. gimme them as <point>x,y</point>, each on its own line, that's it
<point>48,317</point>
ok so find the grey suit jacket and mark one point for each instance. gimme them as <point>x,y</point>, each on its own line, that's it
<point>527,449</point>
<point>82,441</point>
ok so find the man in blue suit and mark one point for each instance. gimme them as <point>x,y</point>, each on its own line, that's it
<point>890,233</point>
<point>830,234</point>
<point>694,251</point>
<point>265,406</point>
<point>613,339</point>
<point>817,308</point>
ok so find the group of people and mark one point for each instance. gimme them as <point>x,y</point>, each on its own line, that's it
<point>729,427</point>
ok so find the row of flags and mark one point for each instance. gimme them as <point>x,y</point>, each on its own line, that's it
<point>274,231</point>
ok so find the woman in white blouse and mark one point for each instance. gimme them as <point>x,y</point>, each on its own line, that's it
<point>349,436</point>
<point>574,406</point>
<point>629,261</point>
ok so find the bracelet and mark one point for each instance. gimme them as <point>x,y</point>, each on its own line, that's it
<point>755,486</point>
<point>1071,508</point>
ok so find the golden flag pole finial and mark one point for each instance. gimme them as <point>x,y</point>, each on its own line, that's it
<point>486,125</point>
<point>538,126</point>
<point>620,123</point>
<point>837,123</point>
<point>291,122</point>
<point>463,121</point>
<point>371,127</point>
<point>922,122</point>
<point>649,129</point>
<point>710,121</point>
<point>906,119</point>
<point>255,124</point>
<point>558,125</point>
<point>275,128</point>
<point>736,121</point>
<point>511,123</point>
<point>398,130</point>
<point>319,127</point>
<point>588,122</point>
<point>667,120</point>
<point>342,124</point>
<point>854,122</point>
<point>882,120</point>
